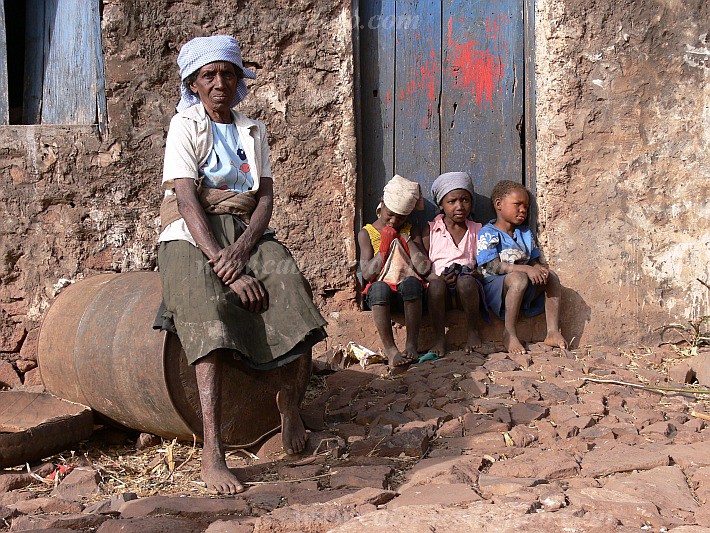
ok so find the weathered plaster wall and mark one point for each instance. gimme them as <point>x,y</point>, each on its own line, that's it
<point>623,113</point>
<point>72,203</point>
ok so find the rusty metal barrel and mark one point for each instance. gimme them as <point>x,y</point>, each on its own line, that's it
<point>97,347</point>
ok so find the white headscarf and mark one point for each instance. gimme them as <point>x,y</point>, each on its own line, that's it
<point>201,51</point>
<point>450,181</point>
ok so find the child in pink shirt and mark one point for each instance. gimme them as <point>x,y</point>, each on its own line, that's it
<point>451,241</point>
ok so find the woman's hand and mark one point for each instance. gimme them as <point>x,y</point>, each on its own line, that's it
<point>229,262</point>
<point>537,274</point>
<point>251,293</point>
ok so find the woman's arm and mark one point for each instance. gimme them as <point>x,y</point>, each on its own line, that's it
<point>249,290</point>
<point>370,262</point>
<point>229,262</point>
<point>195,217</point>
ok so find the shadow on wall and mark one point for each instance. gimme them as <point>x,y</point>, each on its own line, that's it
<point>574,316</point>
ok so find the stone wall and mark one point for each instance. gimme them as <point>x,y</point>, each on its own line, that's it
<point>622,182</point>
<point>622,155</point>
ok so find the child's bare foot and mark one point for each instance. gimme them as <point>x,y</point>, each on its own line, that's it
<point>439,348</point>
<point>512,344</point>
<point>474,341</point>
<point>397,358</point>
<point>218,477</point>
<point>555,338</point>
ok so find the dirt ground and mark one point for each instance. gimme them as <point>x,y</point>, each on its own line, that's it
<point>482,442</point>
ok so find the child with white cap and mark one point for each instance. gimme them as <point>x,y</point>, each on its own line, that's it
<point>393,264</point>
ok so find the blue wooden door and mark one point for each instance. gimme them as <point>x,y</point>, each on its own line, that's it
<point>441,90</point>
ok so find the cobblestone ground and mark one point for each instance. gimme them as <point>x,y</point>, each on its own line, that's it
<point>479,442</point>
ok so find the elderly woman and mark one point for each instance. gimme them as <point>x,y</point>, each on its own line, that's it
<point>229,287</point>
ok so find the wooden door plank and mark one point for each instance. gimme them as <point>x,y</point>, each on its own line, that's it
<point>4,95</point>
<point>530,122</point>
<point>483,93</point>
<point>377,42</point>
<point>418,90</point>
<point>34,62</point>
<point>99,78</point>
<point>69,91</point>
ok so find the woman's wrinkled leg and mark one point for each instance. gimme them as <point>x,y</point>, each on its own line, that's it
<point>215,473</point>
<point>294,379</point>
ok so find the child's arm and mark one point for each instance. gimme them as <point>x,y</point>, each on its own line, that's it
<point>370,262</point>
<point>489,262</point>
<point>425,237</point>
<point>536,273</point>
<point>420,258</point>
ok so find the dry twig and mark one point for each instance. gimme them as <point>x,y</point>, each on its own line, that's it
<point>647,387</point>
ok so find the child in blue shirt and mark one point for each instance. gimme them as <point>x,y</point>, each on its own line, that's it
<point>514,278</point>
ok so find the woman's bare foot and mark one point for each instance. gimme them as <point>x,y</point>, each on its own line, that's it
<point>512,344</point>
<point>555,338</point>
<point>293,433</point>
<point>219,478</point>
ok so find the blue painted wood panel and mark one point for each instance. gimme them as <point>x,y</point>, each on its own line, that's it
<point>377,92</point>
<point>70,66</point>
<point>418,89</point>
<point>482,95</point>
<point>4,103</point>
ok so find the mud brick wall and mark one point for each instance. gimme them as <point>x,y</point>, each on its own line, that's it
<point>73,203</point>
<point>623,173</point>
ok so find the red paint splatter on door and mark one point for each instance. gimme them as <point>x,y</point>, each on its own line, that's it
<point>476,70</point>
<point>427,81</point>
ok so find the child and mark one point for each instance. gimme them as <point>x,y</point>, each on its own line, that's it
<point>513,276</point>
<point>395,280</point>
<point>450,240</point>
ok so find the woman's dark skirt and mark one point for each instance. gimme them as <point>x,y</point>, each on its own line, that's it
<point>209,316</point>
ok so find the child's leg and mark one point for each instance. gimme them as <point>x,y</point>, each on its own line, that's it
<point>514,287</point>
<point>436,293</point>
<point>412,291</point>
<point>378,298</point>
<point>553,292</point>
<point>467,291</point>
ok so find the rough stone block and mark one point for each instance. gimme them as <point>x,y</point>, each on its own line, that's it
<point>612,458</point>
<point>473,387</point>
<point>80,483</point>
<point>11,480</point>
<point>536,463</point>
<point>524,413</point>
<point>8,375</point>
<point>360,477</point>
<point>681,373</point>
<point>184,507</point>
<point>435,494</point>
<point>630,510</point>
